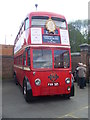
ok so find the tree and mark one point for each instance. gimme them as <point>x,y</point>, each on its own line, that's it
<point>77,35</point>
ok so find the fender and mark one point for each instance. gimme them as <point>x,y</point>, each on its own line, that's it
<point>28,83</point>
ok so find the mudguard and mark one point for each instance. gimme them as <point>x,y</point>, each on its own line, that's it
<point>28,84</point>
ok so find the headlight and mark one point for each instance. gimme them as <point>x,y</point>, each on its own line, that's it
<point>68,88</point>
<point>67,80</point>
<point>38,82</point>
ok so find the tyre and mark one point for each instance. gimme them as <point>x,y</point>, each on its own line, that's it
<point>67,96</point>
<point>27,93</point>
<point>72,90</point>
<point>15,79</point>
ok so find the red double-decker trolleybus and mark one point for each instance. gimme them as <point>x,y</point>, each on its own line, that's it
<point>42,59</point>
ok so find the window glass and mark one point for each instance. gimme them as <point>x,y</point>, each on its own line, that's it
<point>21,60</point>
<point>61,23</point>
<point>61,59</point>
<point>42,58</point>
<point>24,58</point>
<point>28,57</point>
<point>39,20</point>
<point>22,28</point>
<point>17,60</point>
<point>26,24</point>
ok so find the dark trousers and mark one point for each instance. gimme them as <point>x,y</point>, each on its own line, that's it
<point>84,81</point>
<point>81,82</point>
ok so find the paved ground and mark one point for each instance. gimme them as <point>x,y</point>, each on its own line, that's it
<point>0,98</point>
<point>14,105</point>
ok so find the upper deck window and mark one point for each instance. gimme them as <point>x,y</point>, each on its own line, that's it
<point>26,24</point>
<point>61,23</point>
<point>39,20</point>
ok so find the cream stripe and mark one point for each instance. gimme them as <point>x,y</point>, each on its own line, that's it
<point>26,68</point>
<point>20,67</point>
<point>23,68</point>
<point>49,46</point>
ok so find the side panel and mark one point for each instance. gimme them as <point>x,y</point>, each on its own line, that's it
<point>19,74</point>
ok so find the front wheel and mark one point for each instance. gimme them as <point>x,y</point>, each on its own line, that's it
<point>67,96</point>
<point>27,93</point>
<point>15,79</point>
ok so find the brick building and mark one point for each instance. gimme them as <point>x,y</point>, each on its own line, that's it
<point>0,61</point>
<point>75,59</point>
<point>6,61</point>
<point>84,57</point>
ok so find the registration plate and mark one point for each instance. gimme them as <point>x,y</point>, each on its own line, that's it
<point>53,84</point>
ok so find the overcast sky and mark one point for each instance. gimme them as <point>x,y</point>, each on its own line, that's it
<point>12,12</point>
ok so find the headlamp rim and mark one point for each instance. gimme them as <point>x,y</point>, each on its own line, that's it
<point>67,79</point>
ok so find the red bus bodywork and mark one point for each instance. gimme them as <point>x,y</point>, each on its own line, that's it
<point>52,79</point>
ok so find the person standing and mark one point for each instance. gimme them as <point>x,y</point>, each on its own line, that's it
<point>84,76</point>
<point>81,74</point>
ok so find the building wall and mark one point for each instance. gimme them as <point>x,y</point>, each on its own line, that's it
<point>0,61</point>
<point>7,67</point>
<point>6,61</point>
<point>75,59</point>
<point>0,67</point>
<point>84,57</point>
<point>6,50</point>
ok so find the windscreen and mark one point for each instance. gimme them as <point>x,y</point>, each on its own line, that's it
<point>61,59</point>
<point>42,58</point>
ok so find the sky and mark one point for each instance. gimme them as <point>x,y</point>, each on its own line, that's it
<point>13,12</point>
